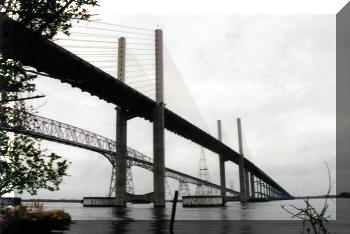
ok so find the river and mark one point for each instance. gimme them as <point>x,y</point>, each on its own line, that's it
<point>231,211</point>
<point>250,218</point>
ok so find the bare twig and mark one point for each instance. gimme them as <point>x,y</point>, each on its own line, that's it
<point>310,214</point>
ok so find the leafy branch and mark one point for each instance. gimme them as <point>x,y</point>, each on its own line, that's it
<point>24,166</point>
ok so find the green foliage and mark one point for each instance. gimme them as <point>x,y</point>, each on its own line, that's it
<point>47,16</point>
<point>24,166</point>
<point>27,168</point>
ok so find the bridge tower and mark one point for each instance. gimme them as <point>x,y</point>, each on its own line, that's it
<point>204,175</point>
<point>129,181</point>
<point>158,127</point>
<point>184,189</point>
<point>169,194</point>
<point>243,172</point>
<point>221,164</point>
<point>121,144</point>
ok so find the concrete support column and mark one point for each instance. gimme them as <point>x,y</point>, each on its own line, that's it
<point>121,145</point>
<point>272,192</point>
<point>242,179</point>
<point>261,188</point>
<point>252,184</point>
<point>158,127</point>
<point>246,181</point>
<point>222,164</point>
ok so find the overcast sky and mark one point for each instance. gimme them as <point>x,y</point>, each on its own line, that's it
<point>275,72</point>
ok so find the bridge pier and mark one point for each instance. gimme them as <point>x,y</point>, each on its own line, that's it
<point>262,194</point>
<point>121,155</point>
<point>252,184</point>
<point>121,144</point>
<point>221,164</point>
<point>246,181</point>
<point>242,170</point>
<point>158,127</point>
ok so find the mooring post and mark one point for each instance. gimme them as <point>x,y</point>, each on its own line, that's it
<point>173,210</point>
<point>121,145</point>
<point>158,127</point>
<point>221,164</point>
<point>242,182</point>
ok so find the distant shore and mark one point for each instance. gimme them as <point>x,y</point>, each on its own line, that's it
<point>341,195</point>
<point>53,200</point>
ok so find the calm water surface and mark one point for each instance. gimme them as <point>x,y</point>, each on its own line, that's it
<point>232,211</point>
<point>236,218</point>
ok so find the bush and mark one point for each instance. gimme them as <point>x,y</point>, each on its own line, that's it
<point>25,220</point>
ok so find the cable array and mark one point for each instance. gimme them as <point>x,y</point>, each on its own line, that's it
<point>177,96</point>
<point>140,75</point>
<point>97,43</point>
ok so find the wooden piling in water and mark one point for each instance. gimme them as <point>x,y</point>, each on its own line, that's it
<point>173,211</point>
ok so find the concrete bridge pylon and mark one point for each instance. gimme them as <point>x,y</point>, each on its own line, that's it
<point>243,172</point>
<point>158,127</point>
<point>121,138</point>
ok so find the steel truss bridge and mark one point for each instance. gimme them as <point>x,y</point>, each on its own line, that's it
<point>52,130</point>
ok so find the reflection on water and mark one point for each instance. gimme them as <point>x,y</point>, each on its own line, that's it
<point>160,222</point>
<point>232,211</point>
<point>143,218</point>
<point>121,225</point>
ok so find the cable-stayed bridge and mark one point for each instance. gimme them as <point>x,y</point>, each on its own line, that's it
<point>54,61</point>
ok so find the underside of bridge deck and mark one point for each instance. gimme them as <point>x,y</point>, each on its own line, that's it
<point>33,50</point>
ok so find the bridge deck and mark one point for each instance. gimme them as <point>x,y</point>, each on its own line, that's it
<point>33,50</point>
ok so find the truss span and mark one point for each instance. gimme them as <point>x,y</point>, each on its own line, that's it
<point>52,130</point>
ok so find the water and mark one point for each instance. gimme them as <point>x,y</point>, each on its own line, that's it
<point>237,218</point>
<point>232,211</point>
